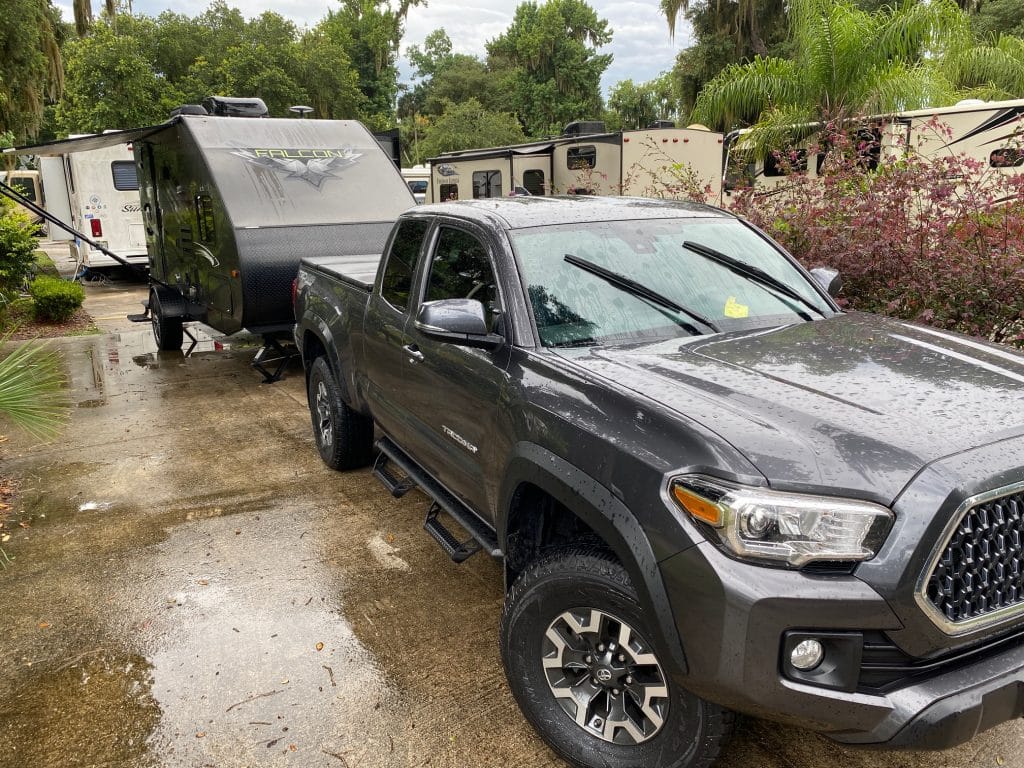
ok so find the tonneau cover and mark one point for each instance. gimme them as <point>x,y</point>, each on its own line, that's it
<point>360,270</point>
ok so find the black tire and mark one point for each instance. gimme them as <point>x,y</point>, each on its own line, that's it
<point>168,331</point>
<point>589,584</point>
<point>343,436</point>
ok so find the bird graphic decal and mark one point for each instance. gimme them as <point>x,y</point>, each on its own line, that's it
<point>313,166</point>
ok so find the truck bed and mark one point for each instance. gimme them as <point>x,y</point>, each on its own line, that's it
<point>358,269</point>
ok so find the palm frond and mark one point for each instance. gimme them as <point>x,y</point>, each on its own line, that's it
<point>897,87</point>
<point>779,129</point>
<point>741,92</point>
<point>915,30</point>
<point>999,66</point>
<point>32,394</point>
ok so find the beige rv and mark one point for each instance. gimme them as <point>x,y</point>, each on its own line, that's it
<point>991,132</point>
<point>656,162</point>
<point>26,183</point>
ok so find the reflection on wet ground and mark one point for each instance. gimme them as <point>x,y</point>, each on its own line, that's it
<point>192,587</point>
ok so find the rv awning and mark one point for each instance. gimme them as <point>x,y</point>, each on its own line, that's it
<point>96,141</point>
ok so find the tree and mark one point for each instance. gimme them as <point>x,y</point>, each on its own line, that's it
<point>31,66</point>
<point>846,62</point>
<point>552,50</point>
<point>990,71</point>
<point>637,106</point>
<point>111,80</point>
<point>997,17</point>
<point>267,64</point>
<point>469,125</point>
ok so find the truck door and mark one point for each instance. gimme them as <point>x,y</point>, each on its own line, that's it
<point>451,392</point>
<point>387,315</point>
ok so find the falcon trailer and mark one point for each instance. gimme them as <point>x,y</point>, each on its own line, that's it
<point>230,205</point>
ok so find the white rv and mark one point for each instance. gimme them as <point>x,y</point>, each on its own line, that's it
<point>97,191</point>
<point>418,179</point>
<point>656,162</point>
<point>27,184</point>
<point>991,132</point>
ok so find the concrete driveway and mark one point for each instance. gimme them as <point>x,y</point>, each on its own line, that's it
<point>192,587</point>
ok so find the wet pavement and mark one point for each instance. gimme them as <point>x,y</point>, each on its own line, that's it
<point>192,587</point>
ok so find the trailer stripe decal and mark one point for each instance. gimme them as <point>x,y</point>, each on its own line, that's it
<point>1001,118</point>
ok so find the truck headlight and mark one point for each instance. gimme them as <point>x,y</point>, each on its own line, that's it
<point>783,528</point>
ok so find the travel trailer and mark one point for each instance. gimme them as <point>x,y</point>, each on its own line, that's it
<point>97,192</point>
<point>28,184</point>
<point>991,132</point>
<point>418,179</point>
<point>586,160</point>
<point>229,206</point>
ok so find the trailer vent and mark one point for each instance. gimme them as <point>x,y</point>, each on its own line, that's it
<point>228,106</point>
<point>662,124</point>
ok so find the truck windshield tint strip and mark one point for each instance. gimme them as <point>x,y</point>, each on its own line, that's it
<point>125,177</point>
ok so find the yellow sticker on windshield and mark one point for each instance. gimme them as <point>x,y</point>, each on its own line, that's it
<point>734,309</point>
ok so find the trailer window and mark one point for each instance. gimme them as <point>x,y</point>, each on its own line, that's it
<point>486,184</point>
<point>204,218</point>
<point>25,188</point>
<point>1008,157</point>
<point>784,163</point>
<point>449,192</point>
<point>581,158</point>
<point>405,248</point>
<point>533,180</point>
<point>126,179</point>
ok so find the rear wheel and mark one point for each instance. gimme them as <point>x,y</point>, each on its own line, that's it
<point>344,437</point>
<point>168,331</point>
<point>577,653</point>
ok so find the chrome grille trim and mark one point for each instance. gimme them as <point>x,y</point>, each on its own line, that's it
<point>1001,616</point>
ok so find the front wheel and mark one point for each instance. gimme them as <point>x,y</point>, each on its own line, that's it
<point>344,437</point>
<point>577,653</point>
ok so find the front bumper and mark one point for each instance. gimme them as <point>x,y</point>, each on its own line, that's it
<point>732,617</point>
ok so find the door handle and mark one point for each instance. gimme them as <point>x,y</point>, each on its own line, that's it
<point>415,356</point>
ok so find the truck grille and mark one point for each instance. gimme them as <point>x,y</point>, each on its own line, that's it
<point>981,569</point>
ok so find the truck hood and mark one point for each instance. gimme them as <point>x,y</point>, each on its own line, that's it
<point>855,403</point>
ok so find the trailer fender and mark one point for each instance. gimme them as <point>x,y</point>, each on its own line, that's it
<point>170,301</point>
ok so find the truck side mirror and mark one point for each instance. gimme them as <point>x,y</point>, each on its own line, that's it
<point>829,279</point>
<point>457,321</point>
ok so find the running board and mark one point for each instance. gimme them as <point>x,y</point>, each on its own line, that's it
<point>396,486</point>
<point>482,535</point>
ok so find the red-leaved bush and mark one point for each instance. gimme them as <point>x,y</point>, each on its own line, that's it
<point>937,239</point>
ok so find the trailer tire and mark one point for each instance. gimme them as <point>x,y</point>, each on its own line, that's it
<point>169,332</point>
<point>344,437</point>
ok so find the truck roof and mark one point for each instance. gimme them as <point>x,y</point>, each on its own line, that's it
<point>525,211</point>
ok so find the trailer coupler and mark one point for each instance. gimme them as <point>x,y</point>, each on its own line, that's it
<point>273,355</point>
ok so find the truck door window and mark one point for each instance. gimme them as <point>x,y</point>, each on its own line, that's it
<point>486,184</point>
<point>405,248</point>
<point>461,269</point>
<point>125,176</point>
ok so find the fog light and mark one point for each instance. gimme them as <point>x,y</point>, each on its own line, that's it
<point>807,655</point>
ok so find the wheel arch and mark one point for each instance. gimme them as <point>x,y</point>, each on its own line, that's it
<point>535,473</point>
<point>317,340</point>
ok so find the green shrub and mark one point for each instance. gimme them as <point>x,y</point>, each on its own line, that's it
<point>17,244</point>
<point>55,299</point>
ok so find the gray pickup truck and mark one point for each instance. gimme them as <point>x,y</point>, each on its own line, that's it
<point>712,491</point>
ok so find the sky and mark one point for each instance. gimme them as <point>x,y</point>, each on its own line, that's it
<point>640,44</point>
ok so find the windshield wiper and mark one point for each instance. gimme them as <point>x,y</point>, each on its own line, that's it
<point>754,274</point>
<point>642,291</point>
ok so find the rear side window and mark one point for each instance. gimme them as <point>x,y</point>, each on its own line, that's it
<point>396,283</point>
<point>581,158</point>
<point>125,177</point>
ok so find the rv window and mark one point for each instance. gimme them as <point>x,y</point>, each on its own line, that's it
<point>25,187</point>
<point>1008,157</point>
<point>125,177</point>
<point>581,158</point>
<point>461,269</point>
<point>449,192</point>
<point>486,184</point>
<point>534,181</point>
<point>204,218</point>
<point>405,248</point>
<point>784,163</point>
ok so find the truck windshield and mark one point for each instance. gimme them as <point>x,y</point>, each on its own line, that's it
<point>573,306</point>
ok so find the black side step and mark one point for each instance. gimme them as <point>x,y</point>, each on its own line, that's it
<point>480,532</point>
<point>397,487</point>
<point>457,550</point>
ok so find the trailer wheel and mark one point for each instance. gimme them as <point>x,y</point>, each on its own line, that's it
<point>576,648</point>
<point>344,437</point>
<point>168,331</point>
